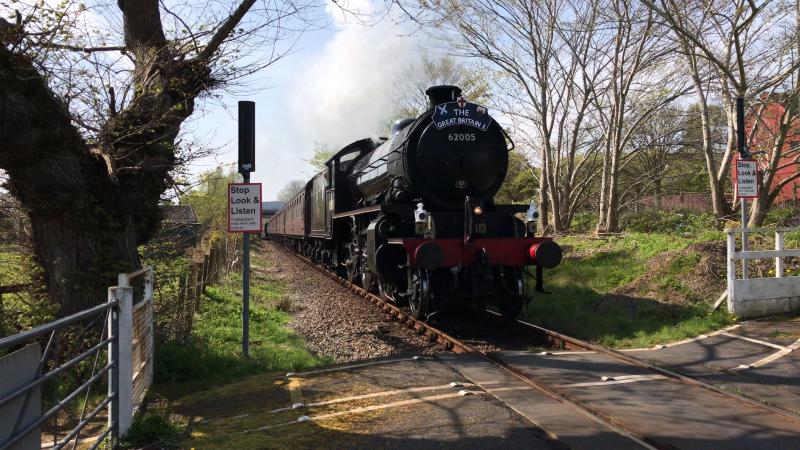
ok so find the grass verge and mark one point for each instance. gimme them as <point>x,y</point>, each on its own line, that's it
<point>214,358</point>
<point>631,291</point>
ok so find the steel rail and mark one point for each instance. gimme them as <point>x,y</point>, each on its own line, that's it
<point>74,433</point>
<point>457,346</point>
<point>103,436</point>
<point>434,334</point>
<point>631,360</point>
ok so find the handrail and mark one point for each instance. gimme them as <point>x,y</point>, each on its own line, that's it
<point>140,272</point>
<point>124,279</point>
<point>63,442</point>
<point>765,254</point>
<point>25,336</point>
<point>762,230</point>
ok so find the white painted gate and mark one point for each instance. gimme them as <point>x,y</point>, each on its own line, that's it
<point>755,297</point>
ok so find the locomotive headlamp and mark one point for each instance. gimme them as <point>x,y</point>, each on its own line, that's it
<point>478,210</point>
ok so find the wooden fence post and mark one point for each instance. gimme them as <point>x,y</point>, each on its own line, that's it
<point>177,316</point>
<point>206,271</point>
<point>190,301</point>
<point>214,271</point>
<point>198,283</point>
<point>2,314</point>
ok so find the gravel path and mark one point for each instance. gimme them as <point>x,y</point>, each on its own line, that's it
<point>336,323</point>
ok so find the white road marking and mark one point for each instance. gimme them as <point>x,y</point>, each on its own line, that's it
<point>623,381</point>
<point>622,377</point>
<point>354,366</point>
<point>375,394</point>
<point>364,409</point>
<point>642,349</point>
<point>763,361</point>
<point>509,388</point>
<point>684,341</point>
<point>755,341</point>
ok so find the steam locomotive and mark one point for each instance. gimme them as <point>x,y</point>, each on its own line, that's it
<point>412,217</point>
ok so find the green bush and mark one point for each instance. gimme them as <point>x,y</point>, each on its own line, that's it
<point>780,217</point>
<point>150,429</point>
<point>671,222</point>
<point>584,222</point>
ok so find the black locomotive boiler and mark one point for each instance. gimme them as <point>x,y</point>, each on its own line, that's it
<point>412,217</point>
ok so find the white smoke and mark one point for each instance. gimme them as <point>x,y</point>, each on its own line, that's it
<point>329,95</point>
<point>345,92</point>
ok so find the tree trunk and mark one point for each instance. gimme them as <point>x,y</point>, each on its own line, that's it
<point>556,206</point>
<point>719,203</point>
<point>544,201</point>
<point>602,216</point>
<point>91,206</point>
<point>612,222</point>
<point>80,264</point>
<point>657,185</point>
<point>758,208</point>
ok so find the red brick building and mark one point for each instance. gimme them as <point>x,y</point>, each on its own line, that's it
<point>763,125</point>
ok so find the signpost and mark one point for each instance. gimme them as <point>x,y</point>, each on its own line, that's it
<point>244,207</point>
<point>746,179</point>
<point>746,175</point>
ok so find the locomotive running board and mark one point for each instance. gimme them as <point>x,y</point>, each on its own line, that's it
<point>396,209</point>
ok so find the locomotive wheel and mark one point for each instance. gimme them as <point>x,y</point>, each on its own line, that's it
<point>511,307</point>
<point>420,301</point>
<point>367,280</point>
<point>352,270</point>
<point>384,290</point>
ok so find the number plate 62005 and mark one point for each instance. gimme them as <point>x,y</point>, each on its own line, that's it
<point>466,137</point>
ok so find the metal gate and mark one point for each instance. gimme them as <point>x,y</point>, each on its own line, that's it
<point>25,370</point>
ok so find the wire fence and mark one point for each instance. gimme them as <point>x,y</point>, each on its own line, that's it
<point>182,283</point>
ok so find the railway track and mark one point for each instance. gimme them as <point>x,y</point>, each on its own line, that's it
<point>560,341</point>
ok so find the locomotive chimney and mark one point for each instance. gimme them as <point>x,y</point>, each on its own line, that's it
<point>442,94</point>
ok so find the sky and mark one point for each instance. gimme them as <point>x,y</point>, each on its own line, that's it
<point>332,90</point>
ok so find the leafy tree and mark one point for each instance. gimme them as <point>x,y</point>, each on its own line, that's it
<point>741,50</point>
<point>210,199</point>
<point>693,164</point>
<point>90,116</point>
<point>520,185</point>
<point>320,157</point>
<point>410,86</point>
<point>291,189</point>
